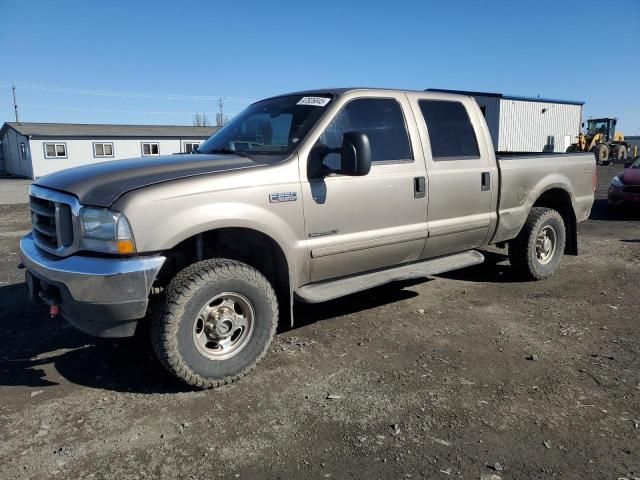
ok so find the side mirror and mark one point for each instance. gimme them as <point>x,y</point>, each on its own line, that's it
<point>355,154</point>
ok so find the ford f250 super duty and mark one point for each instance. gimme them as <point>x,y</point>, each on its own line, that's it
<point>307,196</point>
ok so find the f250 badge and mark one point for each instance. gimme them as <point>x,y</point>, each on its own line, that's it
<point>283,197</point>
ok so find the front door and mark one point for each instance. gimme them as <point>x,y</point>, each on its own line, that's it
<point>356,224</point>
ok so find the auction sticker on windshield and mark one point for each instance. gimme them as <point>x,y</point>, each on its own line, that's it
<point>317,101</point>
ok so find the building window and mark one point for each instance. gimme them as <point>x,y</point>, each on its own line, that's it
<point>55,150</point>
<point>103,149</point>
<point>23,151</point>
<point>150,148</point>
<point>190,146</point>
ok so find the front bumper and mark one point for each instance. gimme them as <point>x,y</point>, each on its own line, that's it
<point>103,297</point>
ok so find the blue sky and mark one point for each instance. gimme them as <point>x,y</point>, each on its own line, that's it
<point>136,54</point>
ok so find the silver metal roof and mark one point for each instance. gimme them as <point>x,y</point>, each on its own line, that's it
<point>506,97</point>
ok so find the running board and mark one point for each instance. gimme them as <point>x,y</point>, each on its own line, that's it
<point>323,291</point>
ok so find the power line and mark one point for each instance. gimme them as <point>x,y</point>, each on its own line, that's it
<point>81,109</point>
<point>120,94</point>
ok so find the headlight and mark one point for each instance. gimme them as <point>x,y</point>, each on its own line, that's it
<point>616,182</point>
<point>107,231</point>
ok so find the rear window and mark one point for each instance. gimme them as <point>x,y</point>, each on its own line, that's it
<point>450,130</point>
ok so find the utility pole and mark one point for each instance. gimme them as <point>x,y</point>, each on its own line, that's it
<point>220,116</point>
<point>15,104</point>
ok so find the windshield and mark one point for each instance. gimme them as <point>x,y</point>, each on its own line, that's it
<point>597,126</point>
<point>636,163</point>
<point>271,127</point>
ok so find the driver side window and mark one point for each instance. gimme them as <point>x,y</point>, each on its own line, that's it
<point>383,122</point>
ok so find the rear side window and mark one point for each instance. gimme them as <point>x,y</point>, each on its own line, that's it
<point>450,130</point>
<point>383,122</point>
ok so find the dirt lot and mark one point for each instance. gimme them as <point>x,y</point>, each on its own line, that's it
<point>467,375</point>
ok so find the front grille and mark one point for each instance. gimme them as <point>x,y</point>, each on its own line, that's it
<point>52,220</point>
<point>43,220</point>
<point>632,189</point>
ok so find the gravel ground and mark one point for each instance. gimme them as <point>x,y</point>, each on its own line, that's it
<point>469,375</point>
<point>14,190</point>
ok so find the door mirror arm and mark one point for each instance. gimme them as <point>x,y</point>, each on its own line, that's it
<point>315,167</point>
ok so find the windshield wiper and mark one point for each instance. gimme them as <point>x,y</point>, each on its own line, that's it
<point>228,151</point>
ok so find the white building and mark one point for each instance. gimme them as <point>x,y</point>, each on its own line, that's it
<point>36,149</point>
<point>528,124</point>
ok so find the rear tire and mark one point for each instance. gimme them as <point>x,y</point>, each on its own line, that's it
<point>601,152</point>
<point>536,252</point>
<point>216,322</point>
<point>621,154</point>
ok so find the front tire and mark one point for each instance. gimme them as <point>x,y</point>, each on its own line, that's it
<point>601,152</point>
<point>536,252</point>
<point>216,323</point>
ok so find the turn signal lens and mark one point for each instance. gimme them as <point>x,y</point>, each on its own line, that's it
<point>126,246</point>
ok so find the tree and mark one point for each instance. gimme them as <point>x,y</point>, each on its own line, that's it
<point>201,120</point>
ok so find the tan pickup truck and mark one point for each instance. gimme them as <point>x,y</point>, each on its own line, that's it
<point>307,196</point>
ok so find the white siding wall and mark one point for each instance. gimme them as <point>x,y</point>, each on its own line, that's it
<point>80,152</point>
<point>524,128</point>
<point>13,163</point>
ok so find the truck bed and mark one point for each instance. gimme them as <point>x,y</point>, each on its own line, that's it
<point>524,177</point>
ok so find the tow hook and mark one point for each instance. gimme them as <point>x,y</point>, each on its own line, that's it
<point>50,299</point>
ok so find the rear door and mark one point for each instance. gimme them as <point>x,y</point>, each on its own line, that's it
<point>356,224</point>
<point>461,171</point>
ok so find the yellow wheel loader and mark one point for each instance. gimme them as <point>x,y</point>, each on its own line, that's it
<point>602,139</point>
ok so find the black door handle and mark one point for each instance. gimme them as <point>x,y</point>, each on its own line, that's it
<point>485,181</point>
<point>419,187</point>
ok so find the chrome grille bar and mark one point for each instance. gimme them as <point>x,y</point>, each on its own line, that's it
<point>54,219</point>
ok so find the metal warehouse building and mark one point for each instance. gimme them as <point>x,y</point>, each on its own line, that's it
<point>634,142</point>
<point>528,124</point>
<point>36,149</point>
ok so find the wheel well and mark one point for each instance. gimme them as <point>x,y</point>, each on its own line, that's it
<point>560,200</point>
<point>242,244</point>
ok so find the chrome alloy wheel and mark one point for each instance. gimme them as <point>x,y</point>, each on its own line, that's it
<point>224,326</point>
<point>546,244</point>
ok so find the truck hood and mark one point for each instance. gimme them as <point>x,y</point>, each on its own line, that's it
<point>103,183</point>
<point>631,176</point>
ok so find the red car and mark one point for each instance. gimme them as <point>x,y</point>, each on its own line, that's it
<point>625,188</point>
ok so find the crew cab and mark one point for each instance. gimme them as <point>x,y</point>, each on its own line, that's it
<point>306,196</point>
